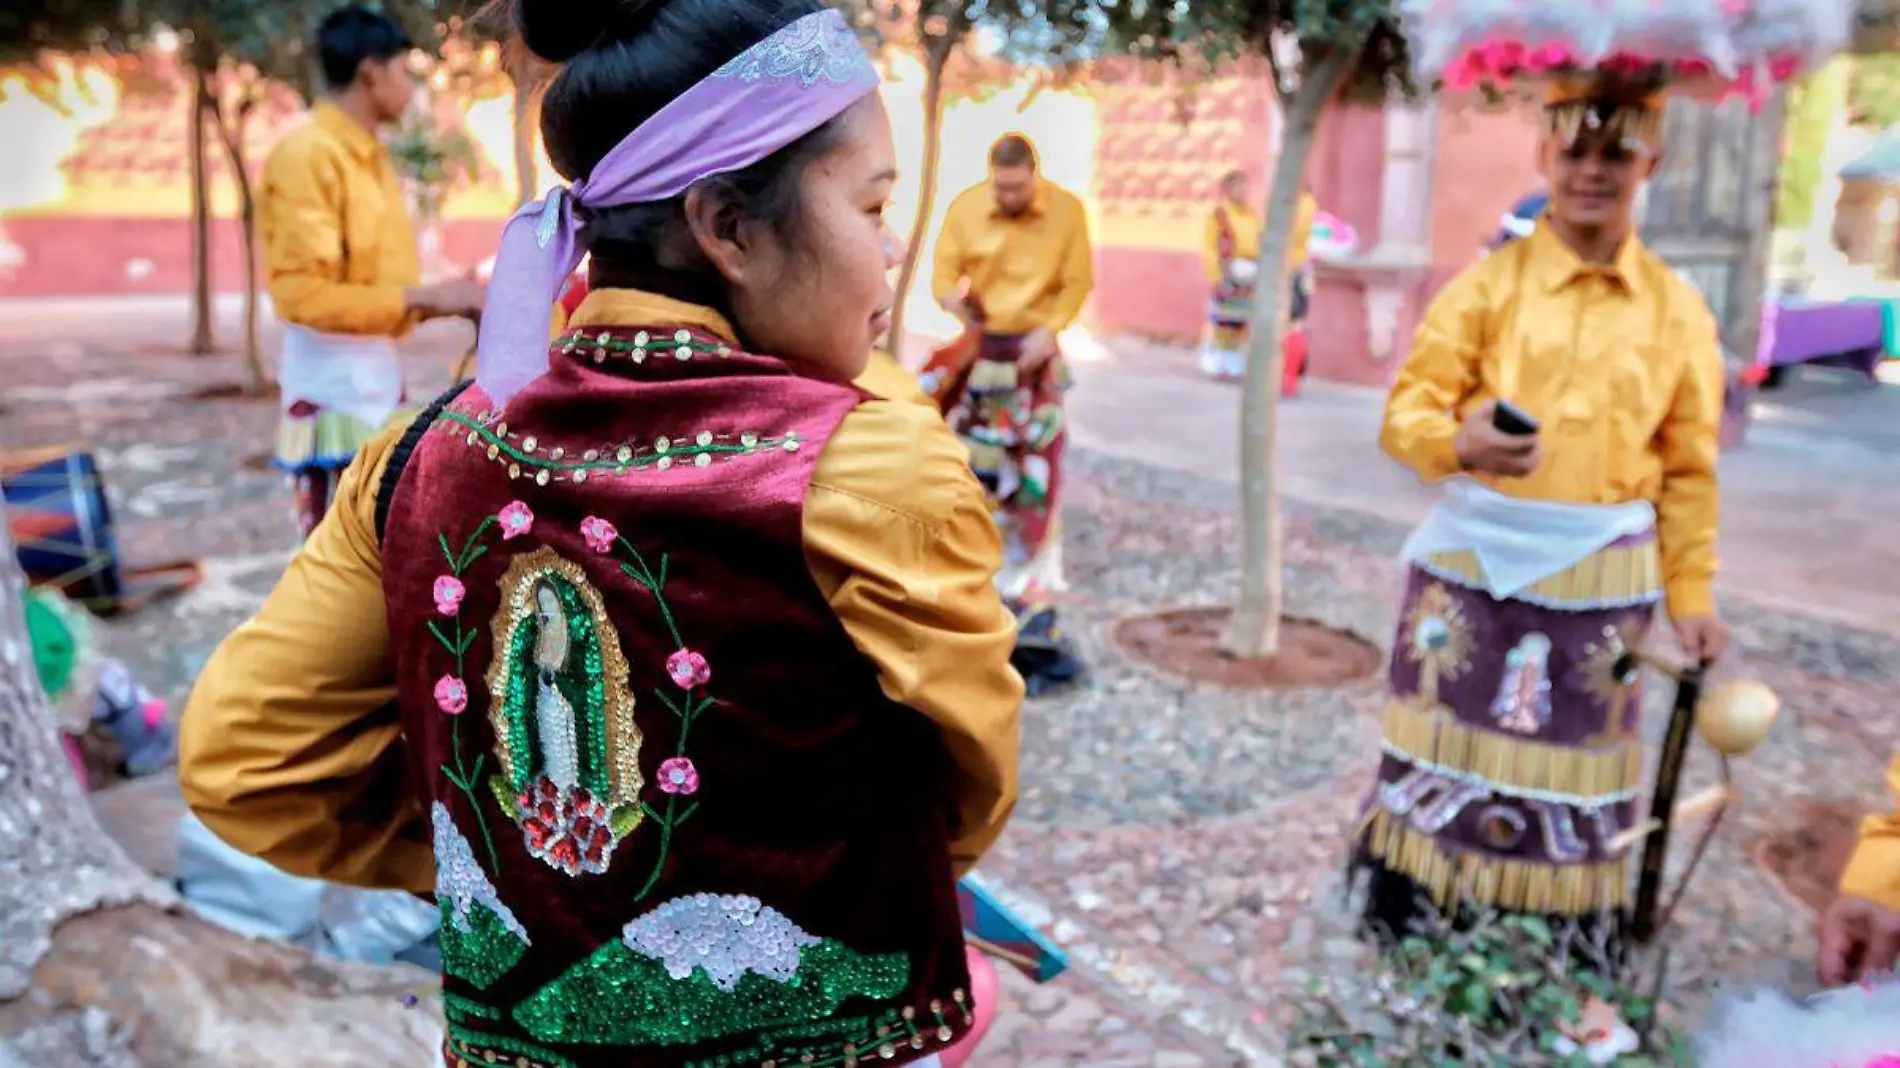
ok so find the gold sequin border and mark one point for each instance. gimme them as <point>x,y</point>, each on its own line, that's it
<point>623,733</point>
<point>1431,735</point>
<point>1567,890</point>
<point>473,1049</point>
<point>877,1039</point>
<point>525,456</point>
<point>1614,577</point>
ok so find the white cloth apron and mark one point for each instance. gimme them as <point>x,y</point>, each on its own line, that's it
<point>358,376</point>
<point>1520,542</point>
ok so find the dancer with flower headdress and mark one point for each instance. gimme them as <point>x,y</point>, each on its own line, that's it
<point>668,660</point>
<point>1567,390</point>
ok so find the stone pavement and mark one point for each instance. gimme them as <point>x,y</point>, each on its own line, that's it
<point>1182,842</point>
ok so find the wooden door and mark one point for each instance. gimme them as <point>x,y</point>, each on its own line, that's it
<point>1710,208</point>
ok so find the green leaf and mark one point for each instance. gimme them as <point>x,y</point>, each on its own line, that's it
<point>1472,1000</point>
<point>1474,963</point>
<point>448,554</point>
<point>468,639</point>
<point>436,630</point>
<point>625,818</point>
<point>1537,930</point>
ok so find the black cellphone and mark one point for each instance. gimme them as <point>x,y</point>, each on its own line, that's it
<point>1512,420</point>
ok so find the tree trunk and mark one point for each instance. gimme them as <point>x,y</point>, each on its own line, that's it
<point>203,328</point>
<point>526,179</point>
<point>1254,629</point>
<point>937,52</point>
<point>231,134</point>
<point>96,972</point>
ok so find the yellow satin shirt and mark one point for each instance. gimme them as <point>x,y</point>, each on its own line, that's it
<point>1032,271</point>
<point>1244,226</point>
<point>1620,364</point>
<point>339,248</point>
<point>887,378</point>
<point>291,749</point>
<point>1246,230</point>
<point>1873,872</point>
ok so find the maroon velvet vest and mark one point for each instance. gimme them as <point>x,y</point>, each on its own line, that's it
<point>676,820</point>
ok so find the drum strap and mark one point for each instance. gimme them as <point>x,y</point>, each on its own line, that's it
<point>405,448</point>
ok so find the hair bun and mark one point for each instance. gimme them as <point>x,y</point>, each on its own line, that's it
<point>559,30</point>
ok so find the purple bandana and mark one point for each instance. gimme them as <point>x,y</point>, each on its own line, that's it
<point>767,97</point>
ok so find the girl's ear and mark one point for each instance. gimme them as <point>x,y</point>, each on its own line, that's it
<point>720,234</point>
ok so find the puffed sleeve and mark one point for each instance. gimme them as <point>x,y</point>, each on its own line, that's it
<point>1873,873</point>
<point>899,537</point>
<point>1689,443</point>
<point>1420,428</point>
<point>290,748</point>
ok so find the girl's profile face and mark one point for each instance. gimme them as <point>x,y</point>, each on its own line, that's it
<point>822,297</point>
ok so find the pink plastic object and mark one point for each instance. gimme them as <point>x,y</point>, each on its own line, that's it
<point>153,714</point>
<point>983,991</point>
<point>85,780</point>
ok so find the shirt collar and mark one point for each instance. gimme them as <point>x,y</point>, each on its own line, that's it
<point>1559,265</point>
<point>362,143</point>
<point>635,307</point>
<point>1038,204</point>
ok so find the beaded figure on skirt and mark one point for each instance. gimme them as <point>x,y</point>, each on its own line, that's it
<point>1512,755</point>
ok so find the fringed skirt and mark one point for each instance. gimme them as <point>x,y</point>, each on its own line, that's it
<point>1012,422</point>
<point>1229,331</point>
<point>314,445</point>
<point>1512,755</point>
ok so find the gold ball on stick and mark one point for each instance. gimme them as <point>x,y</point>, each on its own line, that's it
<point>1734,716</point>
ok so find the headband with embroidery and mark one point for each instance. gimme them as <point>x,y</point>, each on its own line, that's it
<point>766,98</point>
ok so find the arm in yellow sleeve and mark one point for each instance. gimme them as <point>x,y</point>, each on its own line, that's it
<point>1689,442</point>
<point>290,748</point>
<point>1873,873</point>
<point>1420,428</point>
<point>1078,272</point>
<point>947,271</point>
<point>302,207</point>
<point>899,536</point>
<point>1211,257</point>
<point>1300,246</point>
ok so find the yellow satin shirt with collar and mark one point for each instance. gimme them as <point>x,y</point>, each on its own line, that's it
<point>1245,227</point>
<point>1032,271</point>
<point>291,748</point>
<point>891,380</point>
<point>339,248</point>
<point>1873,873</point>
<point>1620,364</point>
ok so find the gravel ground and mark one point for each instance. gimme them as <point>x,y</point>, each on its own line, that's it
<point>1184,842</point>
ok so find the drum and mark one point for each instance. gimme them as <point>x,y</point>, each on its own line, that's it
<point>61,525</point>
<point>64,539</point>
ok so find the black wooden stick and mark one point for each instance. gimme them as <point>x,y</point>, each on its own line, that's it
<point>1675,753</point>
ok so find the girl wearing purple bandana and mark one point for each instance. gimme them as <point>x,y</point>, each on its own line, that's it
<point>669,662</point>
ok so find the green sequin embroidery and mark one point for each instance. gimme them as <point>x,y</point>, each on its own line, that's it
<point>484,952</point>
<point>562,714</point>
<point>529,458</point>
<point>457,1005</point>
<point>622,997</point>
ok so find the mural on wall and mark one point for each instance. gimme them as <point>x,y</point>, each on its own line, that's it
<point>100,200</point>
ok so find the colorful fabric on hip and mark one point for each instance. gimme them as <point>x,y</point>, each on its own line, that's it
<point>1513,755</point>
<point>1012,422</point>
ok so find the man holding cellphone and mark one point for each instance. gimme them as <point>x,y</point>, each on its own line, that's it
<point>1567,391</point>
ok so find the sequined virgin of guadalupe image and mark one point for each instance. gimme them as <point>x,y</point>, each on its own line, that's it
<point>563,717</point>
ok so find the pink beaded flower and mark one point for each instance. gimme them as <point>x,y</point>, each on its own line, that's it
<point>449,592</point>
<point>516,520</point>
<point>688,669</point>
<point>599,534</point>
<point>679,776</point>
<point>451,695</point>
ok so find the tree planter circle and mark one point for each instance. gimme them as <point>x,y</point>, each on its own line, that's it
<point>1185,644</point>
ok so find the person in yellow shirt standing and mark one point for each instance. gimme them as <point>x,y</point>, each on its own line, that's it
<point>340,258</point>
<point>1015,266</point>
<point>1567,392</point>
<point>1860,935</point>
<point>1232,259</point>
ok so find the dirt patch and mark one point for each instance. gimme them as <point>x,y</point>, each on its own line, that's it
<point>1807,853</point>
<point>232,391</point>
<point>259,463</point>
<point>1185,644</point>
